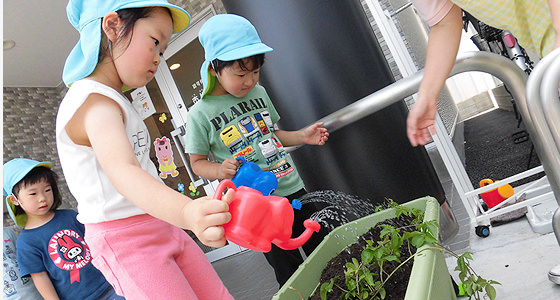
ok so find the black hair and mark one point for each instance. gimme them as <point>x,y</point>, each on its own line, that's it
<point>129,16</point>
<point>257,60</point>
<point>38,174</point>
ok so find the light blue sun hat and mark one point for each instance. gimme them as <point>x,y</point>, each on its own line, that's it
<point>227,37</point>
<point>86,16</point>
<point>12,173</point>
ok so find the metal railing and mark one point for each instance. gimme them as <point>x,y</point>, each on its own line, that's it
<point>541,113</point>
<point>494,64</point>
<point>515,80</point>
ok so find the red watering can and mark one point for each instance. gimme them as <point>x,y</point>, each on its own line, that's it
<point>257,220</point>
<point>497,195</point>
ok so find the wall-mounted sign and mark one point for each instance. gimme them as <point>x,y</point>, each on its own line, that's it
<point>142,102</point>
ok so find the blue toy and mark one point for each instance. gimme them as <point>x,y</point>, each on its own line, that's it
<point>251,175</point>
<point>296,204</point>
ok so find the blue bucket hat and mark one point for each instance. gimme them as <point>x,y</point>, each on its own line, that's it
<point>227,37</point>
<point>86,15</point>
<point>13,172</point>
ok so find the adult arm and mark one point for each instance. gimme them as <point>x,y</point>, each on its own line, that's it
<point>99,123</point>
<point>44,285</point>
<point>443,45</point>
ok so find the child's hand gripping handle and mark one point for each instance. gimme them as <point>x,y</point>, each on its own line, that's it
<point>222,186</point>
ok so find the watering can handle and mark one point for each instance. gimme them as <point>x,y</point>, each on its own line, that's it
<point>485,182</point>
<point>241,159</point>
<point>226,183</point>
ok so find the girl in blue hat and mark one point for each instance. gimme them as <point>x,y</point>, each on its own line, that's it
<point>235,117</point>
<point>50,249</point>
<point>134,223</point>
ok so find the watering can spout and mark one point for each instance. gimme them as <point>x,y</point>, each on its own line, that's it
<point>291,244</point>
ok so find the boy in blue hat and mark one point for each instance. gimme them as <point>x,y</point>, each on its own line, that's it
<point>235,117</point>
<point>51,246</point>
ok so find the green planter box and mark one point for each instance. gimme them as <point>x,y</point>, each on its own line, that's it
<point>429,279</point>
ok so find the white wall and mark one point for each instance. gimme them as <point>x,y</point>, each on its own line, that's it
<point>466,85</point>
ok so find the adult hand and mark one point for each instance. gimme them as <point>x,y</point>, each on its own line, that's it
<point>420,121</point>
<point>443,44</point>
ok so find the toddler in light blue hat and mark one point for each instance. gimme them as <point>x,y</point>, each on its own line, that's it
<point>228,37</point>
<point>236,118</point>
<point>51,248</point>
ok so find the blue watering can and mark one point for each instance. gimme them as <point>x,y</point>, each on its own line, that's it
<point>251,175</point>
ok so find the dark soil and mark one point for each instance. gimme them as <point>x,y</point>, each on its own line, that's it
<point>395,287</point>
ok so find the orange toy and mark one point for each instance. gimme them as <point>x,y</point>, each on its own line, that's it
<point>497,195</point>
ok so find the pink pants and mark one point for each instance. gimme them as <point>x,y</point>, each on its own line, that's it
<point>145,258</point>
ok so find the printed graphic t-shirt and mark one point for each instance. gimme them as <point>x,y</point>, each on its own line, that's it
<point>58,248</point>
<point>15,286</point>
<point>230,127</point>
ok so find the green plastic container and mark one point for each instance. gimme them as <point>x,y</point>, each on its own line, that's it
<point>429,280</point>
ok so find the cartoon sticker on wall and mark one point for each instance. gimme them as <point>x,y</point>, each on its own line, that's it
<point>194,190</point>
<point>163,118</point>
<point>181,188</point>
<point>164,154</point>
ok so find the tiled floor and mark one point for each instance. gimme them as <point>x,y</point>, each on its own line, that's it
<point>513,255</point>
<point>247,276</point>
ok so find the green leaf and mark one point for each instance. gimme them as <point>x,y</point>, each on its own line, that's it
<point>396,243</point>
<point>382,293</point>
<point>379,253</point>
<point>391,258</point>
<point>430,239</point>
<point>417,241</point>
<point>327,288</point>
<point>491,292</point>
<point>369,279</point>
<point>469,290</point>
<point>367,256</point>
<point>467,255</point>
<point>351,284</point>
<point>350,267</point>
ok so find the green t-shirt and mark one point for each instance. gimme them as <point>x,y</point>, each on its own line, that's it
<point>230,127</point>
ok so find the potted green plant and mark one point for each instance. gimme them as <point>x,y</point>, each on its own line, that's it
<point>429,278</point>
